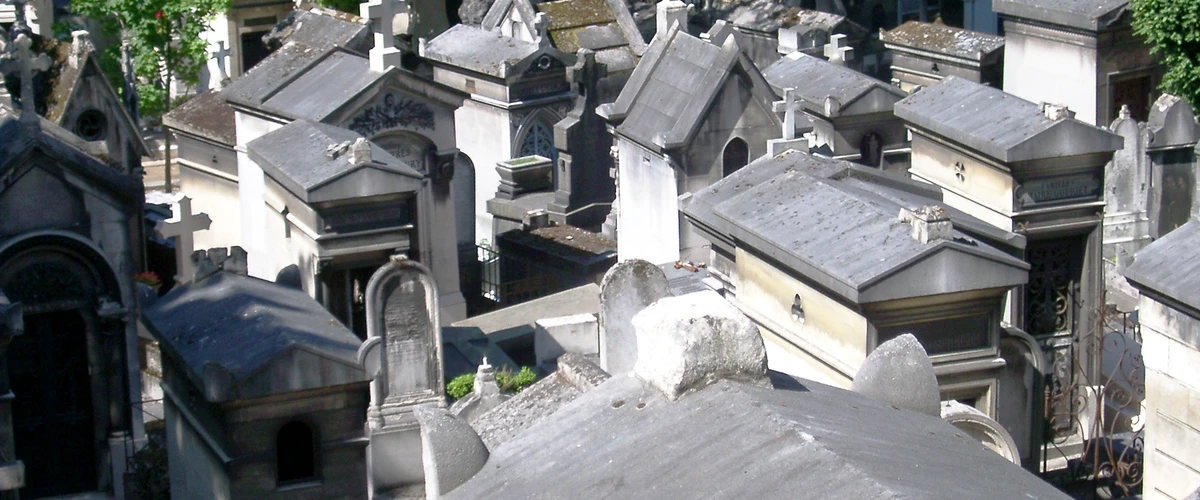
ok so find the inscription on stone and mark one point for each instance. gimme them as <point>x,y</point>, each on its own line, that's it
<point>1044,191</point>
<point>407,323</point>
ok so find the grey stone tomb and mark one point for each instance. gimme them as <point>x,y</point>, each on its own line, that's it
<point>403,354</point>
<point>626,289</point>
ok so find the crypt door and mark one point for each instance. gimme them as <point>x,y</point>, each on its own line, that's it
<point>60,369</point>
<point>53,423</point>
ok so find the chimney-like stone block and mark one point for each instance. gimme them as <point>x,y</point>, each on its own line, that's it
<point>929,223</point>
<point>670,13</point>
<point>553,337</point>
<point>686,343</point>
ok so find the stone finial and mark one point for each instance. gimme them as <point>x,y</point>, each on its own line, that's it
<point>81,46</point>
<point>28,64</point>
<point>1125,114</point>
<point>485,380</point>
<point>1057,111</point>
<point>671,13</point>
<point>686,343</point>
<point>899,372</point>
<point>360,152</point>
<point>541,27</point>
<point>930,223</point>
<point>451,452</point>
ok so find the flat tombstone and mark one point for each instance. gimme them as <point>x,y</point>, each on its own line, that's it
<point>627,288</point>
<point>404,342</point>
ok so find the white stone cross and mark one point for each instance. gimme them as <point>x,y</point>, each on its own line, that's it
<point>180,226</point>
<point>28,64</point>
<point>788,107</point>
<point>382,14</point>
<point>837,50</point>
<point>220,55</point>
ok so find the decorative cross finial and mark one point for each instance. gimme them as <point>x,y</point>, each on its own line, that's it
<point>541,24</point>
<point>180,226</point>
<point>382,14</point>
<point>584,74</point>
<point>220,54</point>
<point>837,50</point>
<point>788,107</point>
<point>28,64</point>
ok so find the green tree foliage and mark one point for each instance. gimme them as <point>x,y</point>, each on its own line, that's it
<point>163,35</point>
<point>1173,28</point>
<point>350,6</point>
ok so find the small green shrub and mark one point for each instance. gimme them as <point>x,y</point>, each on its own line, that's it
<point>460,386</point>
<point>508,381</point>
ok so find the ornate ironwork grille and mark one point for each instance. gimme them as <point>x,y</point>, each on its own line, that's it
<point>1050,309</point>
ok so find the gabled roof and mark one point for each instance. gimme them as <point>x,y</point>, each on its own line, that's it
<point>1170,267</point>
<point>56,142</point>
<point>248,330</point>
<point>816,80</point>
<point>1083,14</point>
<point>838,224</point>
<point>603,26</point>
<point>941,39</point>
<point>500,9</point>
<point>793,438</point>
<point>487,52</point>
<point>324,86</point>
<point>323,28</point>
<point>676,82</point>
<point>1000,125</point>
<point>206,115</point>
<point>297,156</point>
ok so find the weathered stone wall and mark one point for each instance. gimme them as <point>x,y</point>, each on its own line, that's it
<point>1171,352</point>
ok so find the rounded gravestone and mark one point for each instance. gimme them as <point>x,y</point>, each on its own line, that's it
<point>627,289</point>
<point>451,450</point>
<point>290,277</point>
<point>899,372</point>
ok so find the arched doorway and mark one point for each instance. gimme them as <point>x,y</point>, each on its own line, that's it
<point>66,371</point>
<point>412,149</point>
<point>736,156</point>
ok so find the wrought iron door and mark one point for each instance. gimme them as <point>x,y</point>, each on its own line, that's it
<point>53,422</point>
<point>1050,316</point>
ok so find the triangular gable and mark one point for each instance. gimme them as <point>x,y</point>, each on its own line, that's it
<point>760,92</point>
<point>17,144</point>
<point>276,375</point>
<point>881,98</point>
<point>617,110</point>
<point>948,260</point>
<point>362,182</point>
<point>402,81</point>
<point>500,10</point>
<point>1067,137</point>
<point>532,61</point>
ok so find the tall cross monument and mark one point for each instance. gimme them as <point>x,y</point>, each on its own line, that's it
<point>382,14</point>
<point>181,226</point>
<point>790,140</point>
<point>838,51</point>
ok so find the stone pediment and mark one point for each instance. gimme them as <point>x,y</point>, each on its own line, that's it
<point>399,100</point>
<point>59,153</point>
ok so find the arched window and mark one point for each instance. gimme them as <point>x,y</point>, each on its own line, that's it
<point>295,453</point>
<point>736,156</point>
<point>539,140</point>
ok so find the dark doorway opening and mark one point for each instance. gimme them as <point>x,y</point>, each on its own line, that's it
<point>53,421</point>
<point>254,49</point>
<point>295,453</point>
<point>736,156</point>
